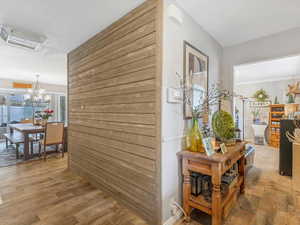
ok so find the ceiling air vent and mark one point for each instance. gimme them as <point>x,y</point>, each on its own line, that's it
<point>21,39</point>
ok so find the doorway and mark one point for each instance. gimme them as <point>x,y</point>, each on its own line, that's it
<point>258,86</point>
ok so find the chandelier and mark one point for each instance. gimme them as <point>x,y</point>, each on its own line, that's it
<point>36,95</point>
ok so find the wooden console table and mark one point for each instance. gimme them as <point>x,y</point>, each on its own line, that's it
<point>214,166</point>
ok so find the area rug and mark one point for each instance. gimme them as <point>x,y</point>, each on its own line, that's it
<point>8,155</point>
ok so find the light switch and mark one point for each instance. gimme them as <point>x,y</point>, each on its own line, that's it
<point>174,95</point>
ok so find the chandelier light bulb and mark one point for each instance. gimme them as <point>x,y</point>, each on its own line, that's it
<point>36,94</point>
<point>26,96</point>
<point>47,97</point>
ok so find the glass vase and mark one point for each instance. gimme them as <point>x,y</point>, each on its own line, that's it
<point>44,122</point>
<point>194,138</point>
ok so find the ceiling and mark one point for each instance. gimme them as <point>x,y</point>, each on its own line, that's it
<point>233,22</point>
<point>66,24</point>
<point>24,65</point>
<point>273,70</point>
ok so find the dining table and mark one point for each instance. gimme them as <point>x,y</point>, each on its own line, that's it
<point>26,129</point>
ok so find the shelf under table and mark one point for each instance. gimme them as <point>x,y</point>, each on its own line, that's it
<point>215,166</point>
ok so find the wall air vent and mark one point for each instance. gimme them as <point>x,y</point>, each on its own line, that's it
<point>19,38</point>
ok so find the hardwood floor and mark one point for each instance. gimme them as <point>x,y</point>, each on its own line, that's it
<point>45,193</point>
<point>270,199</point>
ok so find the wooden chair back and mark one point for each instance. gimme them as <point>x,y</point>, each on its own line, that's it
<point>26,121</point>
<point>54,133</point>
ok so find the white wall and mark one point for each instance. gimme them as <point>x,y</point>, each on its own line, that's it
<point>52,88</point>
<point>172,115</point>
<point>271,47</point>
<point>275,46</point>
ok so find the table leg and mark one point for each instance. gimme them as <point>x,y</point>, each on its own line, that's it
<point>216,195</point>
<point>186,191</point>
<point>242,173</point>
<point>26,146</point>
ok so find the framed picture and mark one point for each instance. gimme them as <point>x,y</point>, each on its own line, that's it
<point>209,149</point>
<point>223,148</point>
<point>195,78</point>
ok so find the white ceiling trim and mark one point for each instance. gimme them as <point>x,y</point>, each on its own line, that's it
<point>268,71</point>
<point>269,80</point>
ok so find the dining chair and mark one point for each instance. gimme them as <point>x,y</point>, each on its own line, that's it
<point>27,121</point>
<point>54,135</point>
<point>34,138</point>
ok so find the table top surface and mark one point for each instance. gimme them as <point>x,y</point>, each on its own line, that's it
<point>26,127</point>
<point>217,157</point>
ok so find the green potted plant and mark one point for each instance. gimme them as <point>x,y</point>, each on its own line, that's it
<point>255,114</point>
<point>291,99</point>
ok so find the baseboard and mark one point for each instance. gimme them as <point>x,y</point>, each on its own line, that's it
<point>174,219</point>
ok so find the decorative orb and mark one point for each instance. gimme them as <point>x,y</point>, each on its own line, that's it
<point>223,125</point>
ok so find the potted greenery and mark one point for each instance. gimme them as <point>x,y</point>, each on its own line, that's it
<point>291,99</point>
<point>255,114</point>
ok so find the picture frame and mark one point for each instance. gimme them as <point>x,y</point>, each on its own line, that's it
<point>223,148</point>
<point>208,146</point>
<point>195,77</point>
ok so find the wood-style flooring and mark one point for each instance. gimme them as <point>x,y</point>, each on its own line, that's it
<point>45,193</point>
<point>270,199</point>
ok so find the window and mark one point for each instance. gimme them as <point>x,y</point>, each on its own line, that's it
<point>62,108</point>
<point>14,108</point>
<point>18,109</point>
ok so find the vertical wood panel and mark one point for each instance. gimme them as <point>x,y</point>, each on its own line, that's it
<point>114,110</point>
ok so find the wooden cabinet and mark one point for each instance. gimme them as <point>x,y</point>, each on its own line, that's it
<point>214,166</point>
<point>277,112</point>
<point>296,165</point>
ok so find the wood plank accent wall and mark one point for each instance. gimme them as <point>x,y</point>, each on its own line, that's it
<point>114,88</point>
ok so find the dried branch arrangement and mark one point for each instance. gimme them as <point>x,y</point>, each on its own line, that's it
<point>295,137</point>
<point>212,97</point>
